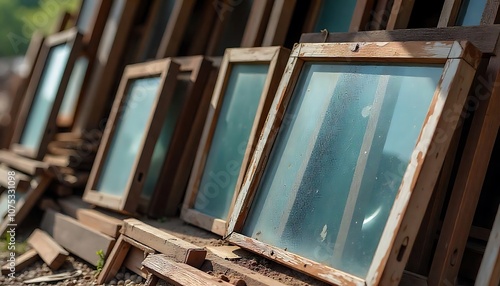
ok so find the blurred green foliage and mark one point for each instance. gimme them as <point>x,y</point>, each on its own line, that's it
<point>20,18</point>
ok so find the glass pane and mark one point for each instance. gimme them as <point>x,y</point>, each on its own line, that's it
<point>302,197</point>
<point>110,30</point>
<point>471,12</point>
<point>45,96</point>
<point>163,143</point>
<point>129,133</point>
<point>242,96</point>
<point>72,93</point>
<point>86,15</point>
<point>335,15</point>
<point>160,23</point>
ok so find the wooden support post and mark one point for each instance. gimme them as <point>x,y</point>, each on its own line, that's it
<point>48,249</point>
<point>173,247</point>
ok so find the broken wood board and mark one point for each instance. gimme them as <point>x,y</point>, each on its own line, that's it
<point>172,246</point>
<point>48,249</point>
<point>179,274</point>
<point>23,164</point>
<point>21,262</point>
<point>226,251</point>
<point>77,238</point>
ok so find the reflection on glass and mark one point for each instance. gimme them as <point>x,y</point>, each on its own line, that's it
<point>471,12</point>
<point>302,197</point>
<point>335,15</point>
<point>86,15</point>
<point>45,96</point>
<point>167,131</point>
<point>72,93</point>
<point>237,114</point>
<point>159,25</point>
<point>130,129</point>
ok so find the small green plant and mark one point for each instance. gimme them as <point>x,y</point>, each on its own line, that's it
<point>100,262</point>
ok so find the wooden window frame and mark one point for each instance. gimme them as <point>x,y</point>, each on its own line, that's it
<point>167,70</point>
<point>451,9</point>
<point>460,60</point>
<point>167,195</point>
<point>402,9</point>
<point>276,58</point>
<point>72,38</point>
<point>360,17</point>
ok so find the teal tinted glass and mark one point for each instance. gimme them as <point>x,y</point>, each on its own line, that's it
<point>335,15</point>
<point>72,93</point>
<point>86,15</point>
<point>162,145</point>
<point>302,196</point>
<point>45,95</point>
<point>130,130</point>
<point>471,12</point>
<point>237,114</point>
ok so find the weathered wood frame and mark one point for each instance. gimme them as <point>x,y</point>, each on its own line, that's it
<point>69,37</point>
<point>167,195</point>
<point>167,71</point>
<point>460,60</point>
<point>360,17</point>
<point>402,9</point>
<point>276,58</point>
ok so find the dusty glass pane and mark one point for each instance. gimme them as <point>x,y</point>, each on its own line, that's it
<point>229,142</point>
<point>335,15</point>
<point>471,12</point>
<point>301,200</point>
<point>86,15</point>
<point>130,130</point>
<point>45,96</point>
<point>163,143</point>
<point>72,93</point>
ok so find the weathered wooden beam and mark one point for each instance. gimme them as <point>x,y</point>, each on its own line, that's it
<point>48,249</point>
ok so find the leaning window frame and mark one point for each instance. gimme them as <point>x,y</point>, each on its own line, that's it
<point>460,60</point>
<point>276,58</point>
<point>128,201</point>
<point>73,39</point>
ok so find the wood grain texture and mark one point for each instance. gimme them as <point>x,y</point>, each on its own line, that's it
<point>48,249</point>
<point>179,274</point>
<point>485,38</point>
<point>173,247</point>
<point>400,14</point>
<point>449,13</point>
<point>114,260</point>
<point>70,234</point>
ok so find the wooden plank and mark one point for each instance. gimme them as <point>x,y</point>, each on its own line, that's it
<point>101,222</point>
<point>485,38</point>
<point>71,234</point>
<point>22,261</point>
<point>257,23</point>
<point>114,260</point>
<point>470,178</point>
<point>411,279</point>
<point>449,13</point>
<point>279,23</point>
<point>489,271</point>
<point>400,14</point>
<point>72,205</point>
<point>179,274</point>
<point>48,249</point>
<point>491,12</point>
<point>137,253</point>
<point>173,247</point>
<point>23,164</point>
